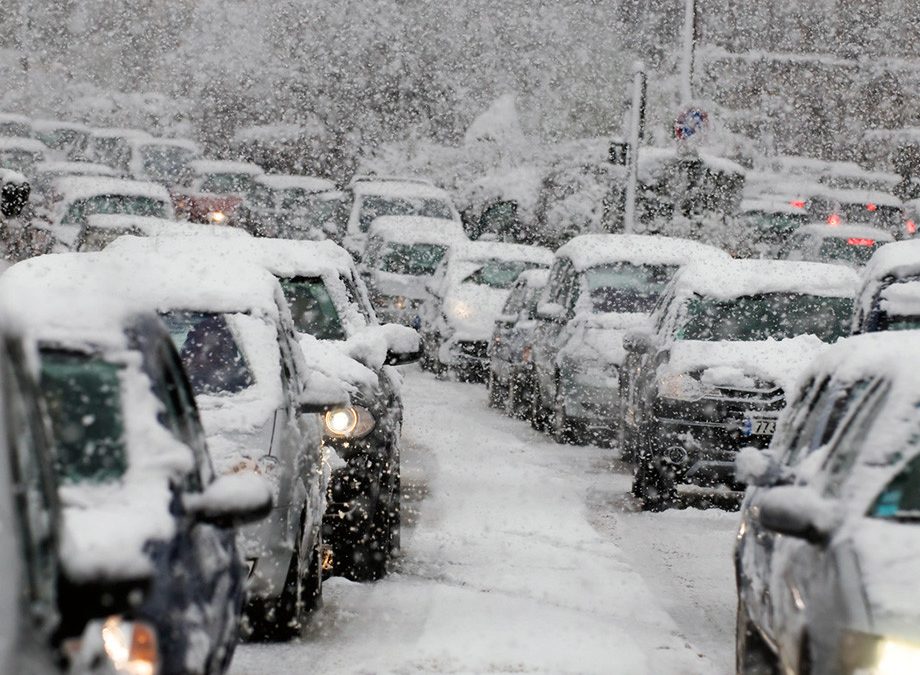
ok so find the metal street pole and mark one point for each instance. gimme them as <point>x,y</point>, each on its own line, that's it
<point>636,133</point>
<point>691,32</point>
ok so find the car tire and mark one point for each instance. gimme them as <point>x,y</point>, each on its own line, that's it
<point>752,655</point>
<point>565,430</point>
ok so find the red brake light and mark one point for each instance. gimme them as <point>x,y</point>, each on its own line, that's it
<point>833,220</point>
<point>856,241</point>
<point>911,227</point>
<point>798,203</point>
<point>871,207</point>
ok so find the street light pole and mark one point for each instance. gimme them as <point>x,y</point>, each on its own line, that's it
<point>691,30</point>
<point>636,133</point>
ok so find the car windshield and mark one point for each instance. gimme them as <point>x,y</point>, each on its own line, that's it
<point>210,353</point>
<point>900,500</point>
<point>166,163</point>
<point>226,183</point>
<point>320,211</point>
<point>412,259</point>
<point>260,196</point>
<point>499,274</point>
<point>129,205</point>
<point>768,316</point>
<point>296,199</point>
<point>312,308</point>
<point>625,287</point>
<point>84,401</point>
<point>19,160</point>
<point>852,251</point>
<point>375,206</point>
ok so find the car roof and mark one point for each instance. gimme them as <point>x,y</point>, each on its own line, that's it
<point>22,143</point>
<point>485,250</point>
<point>845,231</point>
<point>14,117</point>
<point>733,278</point>
<point>899,258</point>
<point>768,205</point>
<point>589,250</point>
<point>278,181</point>
<point>860,197</point>
<point>384,188</point>
<point>417,230</point>
<point>83,187</point>
<point>203,166</point>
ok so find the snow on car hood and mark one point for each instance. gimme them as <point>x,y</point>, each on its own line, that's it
<point>599,337</point>
<point>733,363</point>
<point>887,553</point>
<point>406,285</point>
<point>471,310</point>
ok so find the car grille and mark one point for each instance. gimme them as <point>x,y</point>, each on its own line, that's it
<point>476,348</point>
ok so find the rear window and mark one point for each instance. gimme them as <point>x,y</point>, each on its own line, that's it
<point>374,206</point>
<point>84,401</point>
<point>852,251</point>
<point>500,274</point>
<point>412,259</point>
<point>312,308</point>
<point>129,205</point>
<point>166,163</point>
<point>625,287</point>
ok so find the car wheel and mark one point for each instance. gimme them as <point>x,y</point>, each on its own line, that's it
<point>565,429</point>
<point>281,619</point>
<point>752,656</point>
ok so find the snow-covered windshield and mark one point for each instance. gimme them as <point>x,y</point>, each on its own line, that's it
<point>226,183</point>
<point>375,206</point>
<point>84,399</point>
<point>166,163</point>
<point>853,251</point>
<point>900,500</point>
<point>319,211</point>
<point>129,205</point>
<point>212,358</point>
<point>412,259</point>
<point>312,308</point>
<point>22,161</point>
<point>500,274</point>
<point>768,316</point>
<point>625,287</point>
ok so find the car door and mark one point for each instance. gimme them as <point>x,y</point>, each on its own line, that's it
<point>505,332</point>
<point>546,336</point>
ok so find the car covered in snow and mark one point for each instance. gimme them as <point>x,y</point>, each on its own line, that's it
<point>84,196</point>
<point>12,124</point>
<point>22,154</point>
<point>511,378</point>
<point>729,340</point>
<point>600,286</point>
<point>858,207</point>
<point>102,229</point>
<point>826,553</point>
<point>216,189</point>
<point>883,303</point>
<point>465,296</point>
<point>112,147</point>
<point>762,225</point>
<point>401,256</point>
<point>139,493</point>
<point>46,175</point>
<point>162,160</point>
<point>340,336</point>
<point>69,139</point>
<point>851,245</point>
<point>284,206</point>
<point>374,198</point>
<point>259,404</point>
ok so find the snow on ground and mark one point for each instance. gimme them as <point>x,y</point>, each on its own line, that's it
<point>520,555</point>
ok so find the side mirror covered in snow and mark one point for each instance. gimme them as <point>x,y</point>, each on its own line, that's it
<point>758,467</point>
<point>231,500</point>
<point>798,512</point>
<point>637,342</point>
<point>552,312</point>
<point>404,345</point>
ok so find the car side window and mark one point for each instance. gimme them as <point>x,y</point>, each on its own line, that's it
<point>554,288</point>
<point>182,400</point>
<point>355,297</point>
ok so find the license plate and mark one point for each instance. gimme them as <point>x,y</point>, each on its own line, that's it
<point>759,426</point>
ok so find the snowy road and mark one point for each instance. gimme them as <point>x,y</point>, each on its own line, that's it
<point>521,555</point>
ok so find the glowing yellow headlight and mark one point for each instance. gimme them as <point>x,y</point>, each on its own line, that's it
<point>897,658</point>
<point>131,646</point>
<point>217,216</point>
<point>349,422</point>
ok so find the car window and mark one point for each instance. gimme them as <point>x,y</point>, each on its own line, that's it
<point>499,274</point>
<point>223,183</point>
<point>410,259</point>
<point>625,287</point>
<point>827,411</point>
<point>853,251</point>
<point>312,308</point>
<point>260,196</point>
<point>131,205</point>
<point>374,206</point>
<point>516,302</point>
<point>900,500</point>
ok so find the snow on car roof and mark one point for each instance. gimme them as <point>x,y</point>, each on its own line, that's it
<point>899,258</point>
<point>115,132</point>
<point>161,227</point>
<point>475,251</point>
<point>417,230</point>
<point>72,188</point>
<point>589,250</point>
<point>384,188</point>
<point>902,299</point>
<point>75,169</point>
<point>769,206</point>
<point>22,143</point>
<point>534,278</point>
<point>731,278</point>
<point>205,166</point>
<point>844,231</point>
<point>54,125</point>
<point>277,181</point>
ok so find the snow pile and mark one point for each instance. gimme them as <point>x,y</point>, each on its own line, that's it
<point>736,278</point>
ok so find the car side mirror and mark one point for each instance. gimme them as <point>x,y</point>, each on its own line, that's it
<point>637,342</point>
<point>404,345</point>
<point>552,312</point>
<point>799,512</point>
<point>758,467</point>
<point>231,500</point>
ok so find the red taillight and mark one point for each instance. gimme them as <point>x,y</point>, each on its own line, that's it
<point>798,203</point>
<point>833,219</point>
<point>856,241</point>
<point>871,207</point>
<point>911,227</point>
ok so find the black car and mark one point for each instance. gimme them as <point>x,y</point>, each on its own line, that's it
<point>713,376</point>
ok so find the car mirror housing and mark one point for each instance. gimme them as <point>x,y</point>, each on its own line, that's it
<point>231,500</point>
<point>552,312</point>
<point>637,342</point>
<point>799,512</point>
<point>758,467</point>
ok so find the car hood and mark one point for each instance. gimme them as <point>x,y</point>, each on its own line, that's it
<point>471,310</point>
<point>887,553</point>
<point>406,285</point>
<point>735,363</point>
<point>599,337</point>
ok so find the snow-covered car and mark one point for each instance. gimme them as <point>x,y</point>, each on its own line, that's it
<point>84,196</point>
<point>600,286</point>
<point>22,154</point>
<point>283,206</point>
<point>730,338</point>
<point>216,190</point>
<point>112,147</point>
<point>70,139</point>
<point>402,253</point>
<point>374,198</point>
<point>826,553</point>
<point>139,494</point>
<point>162,160</point>
<point>511,379</point>
<point>466,295</point>
<point>12,124</point>
<point>762,225</point>
<point>851,245</point>
<point>46,174</point>
<point>858,207</point>
<point>102,229</point>
<point>877,303</point>
<point>340,336</point>
<point>258,400</point>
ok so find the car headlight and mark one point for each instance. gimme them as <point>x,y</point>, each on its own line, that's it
<point>874,655</point>
<point>682,387</point>
<point>348,422</point>
<point>131,646</point>
<point>217,217</point>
